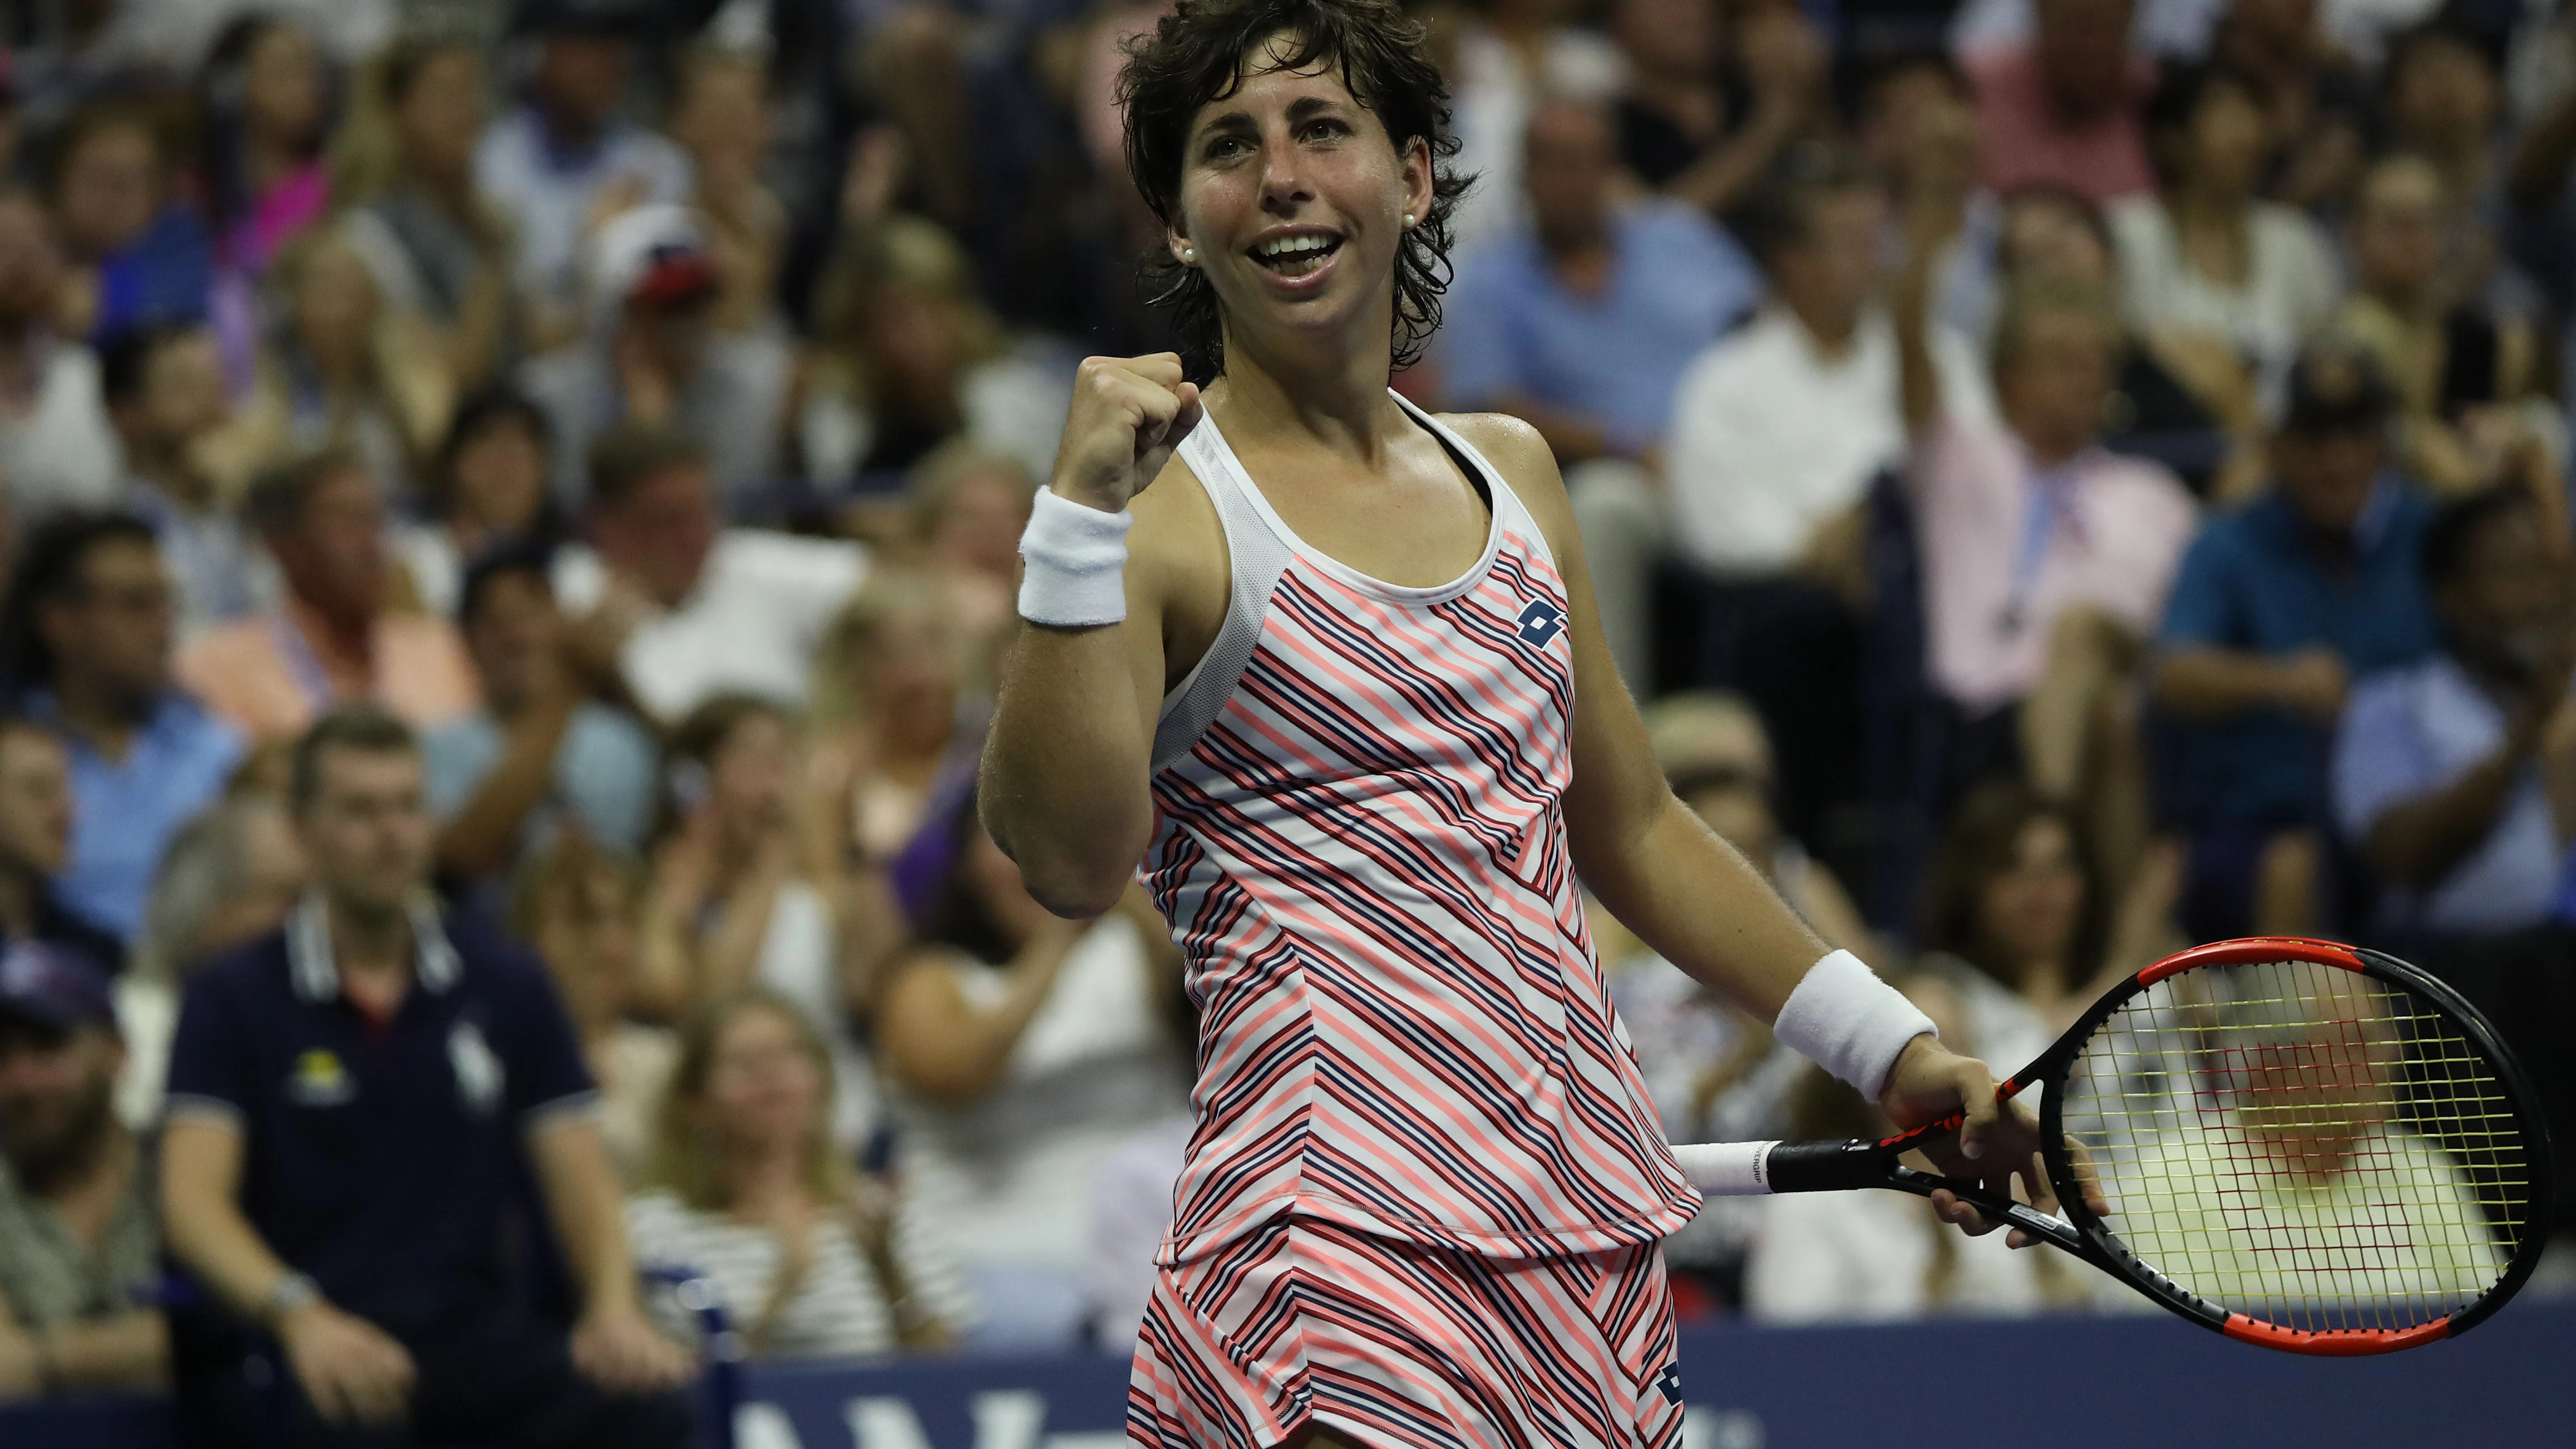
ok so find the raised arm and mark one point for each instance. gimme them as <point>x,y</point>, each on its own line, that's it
<point>1909,293</point>
<point>1064,777</point>
<point>2416,841</point>
<point>1786,60</point>
<point>479,838</point>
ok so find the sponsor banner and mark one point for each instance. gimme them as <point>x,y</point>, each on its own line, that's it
<point>2148,1382</point>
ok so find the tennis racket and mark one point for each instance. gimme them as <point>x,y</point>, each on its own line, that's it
<point>2305,1146</point>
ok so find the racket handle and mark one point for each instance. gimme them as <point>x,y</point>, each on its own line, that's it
<point>1748,1169</point>
<point>1726,1169</point>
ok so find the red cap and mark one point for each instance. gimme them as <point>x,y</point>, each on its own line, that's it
<point>675,272</point>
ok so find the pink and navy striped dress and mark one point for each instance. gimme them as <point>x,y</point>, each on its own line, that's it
<point>1423,1196</point>
<point>1362,851</point>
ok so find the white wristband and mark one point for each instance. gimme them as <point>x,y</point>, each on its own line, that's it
<point>1846,1020</point>
<point>1076,563</point>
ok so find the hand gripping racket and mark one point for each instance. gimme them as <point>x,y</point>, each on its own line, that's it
<point>2305,1146</point>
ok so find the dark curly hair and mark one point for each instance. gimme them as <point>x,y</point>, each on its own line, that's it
<point>1983,841</point>
<point>1198,53</point>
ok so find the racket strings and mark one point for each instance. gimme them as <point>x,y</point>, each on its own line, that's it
<point>2301,1144</point>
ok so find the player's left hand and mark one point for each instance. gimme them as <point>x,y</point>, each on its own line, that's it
<point>1998,1142</point>
<point>616,1347</point>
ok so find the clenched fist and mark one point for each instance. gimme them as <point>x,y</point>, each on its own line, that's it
<point>1128,414</point>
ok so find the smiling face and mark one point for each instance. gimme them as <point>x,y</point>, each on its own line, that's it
<point>1292,203</point>
<point>765,1084</point>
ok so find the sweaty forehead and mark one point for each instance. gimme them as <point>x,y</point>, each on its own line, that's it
<point>1267,81</point>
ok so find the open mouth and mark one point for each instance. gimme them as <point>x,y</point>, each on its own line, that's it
<point>1298,254</point>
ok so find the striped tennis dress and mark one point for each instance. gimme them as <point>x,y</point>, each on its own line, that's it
<point>1423,1201</point>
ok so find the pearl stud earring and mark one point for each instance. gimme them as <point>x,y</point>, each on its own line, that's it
<point>1189,254</point>
<point>1408,221</point>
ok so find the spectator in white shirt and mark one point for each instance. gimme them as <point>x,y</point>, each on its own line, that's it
<point>549,160</point>
<point>2205,264</point>
<point>1778,428</point>
<point>56,447</point>
<point>695,609</point>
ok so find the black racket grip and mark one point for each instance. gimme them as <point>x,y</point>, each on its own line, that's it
<point>1824,1166</point>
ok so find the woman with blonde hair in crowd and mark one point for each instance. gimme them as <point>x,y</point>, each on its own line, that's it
<point>344,369</point>
<point>888,689</point>
<point>404,164</point>
<point>751,885</point>
<point>747,1187</point>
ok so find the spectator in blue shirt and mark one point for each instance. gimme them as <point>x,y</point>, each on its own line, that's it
<point>541,752</point>
<point>88,639</point>
<point>2277,608</point>
<point>1581,324</point>
<point>356,1104</point>
<point>142,258</point>
<point>2444,769</point>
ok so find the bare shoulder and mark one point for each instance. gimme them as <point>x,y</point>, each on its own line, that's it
<point>1526,462</point>
<point>1512,445</point>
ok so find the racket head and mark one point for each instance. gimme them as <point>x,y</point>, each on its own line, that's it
<point>2303,1145</point>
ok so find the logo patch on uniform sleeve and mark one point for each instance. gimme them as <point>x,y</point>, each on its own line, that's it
<point>479,1076</point>
<point>1540,622</point>
<point>1670,1381</point>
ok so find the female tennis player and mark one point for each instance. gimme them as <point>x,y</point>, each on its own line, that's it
<point>1334,677</point>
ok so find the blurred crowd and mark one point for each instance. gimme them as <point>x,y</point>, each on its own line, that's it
<point>2068,478</point>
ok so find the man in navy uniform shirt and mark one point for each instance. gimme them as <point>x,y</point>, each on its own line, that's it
<point>353,1103</point>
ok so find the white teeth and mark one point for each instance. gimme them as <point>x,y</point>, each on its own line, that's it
<point>1288,245</point>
